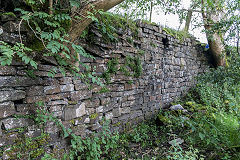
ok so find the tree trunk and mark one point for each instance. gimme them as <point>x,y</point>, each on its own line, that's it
<point>214,38</point>
<point>188,20</point>
<point>151,11</point>
<point>78,27</point>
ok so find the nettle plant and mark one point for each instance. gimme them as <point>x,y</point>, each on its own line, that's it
<point>50,32</point>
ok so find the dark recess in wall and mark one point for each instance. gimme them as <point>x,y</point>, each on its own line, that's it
<point>165,42</point>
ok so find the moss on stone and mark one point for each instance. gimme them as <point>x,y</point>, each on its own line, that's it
<point>36,45</point>
<point>25,147</point>
<point>180,35</point>
<point>8,14</point>
<point>93,116</point>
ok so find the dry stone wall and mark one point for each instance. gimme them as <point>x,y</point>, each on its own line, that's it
<point>169,67</point>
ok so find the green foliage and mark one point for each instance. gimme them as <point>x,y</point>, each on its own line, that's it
<point>212,123</point>
<point>50,35</point>
<point>109,24</point>
<point>28,148</point>
<point>112,68</point>
<point>134,63</point>
<point>9,14</point>
<point>145,134</point>
<point>8,53</point>
<point>98,145</point>
<point>180,35</point>
<point>177,153</point>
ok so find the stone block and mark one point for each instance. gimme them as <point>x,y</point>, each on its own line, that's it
<point>12,123</point>
<point>11,38</point>
<point>109,116</point>
<point>99,109</point>
<point>35,99</point>
<point>57,102</point>
<point>125,110</point>
<point>11,27</point>
<point>51,127</point>
<point>79,95</point>
<point>35,91</point>
<point>67,88</point>
<point>80,130</point>
<point>116,112</point>
<point>1,134</point>
<point>65,80</point>
<point>12,95</point>
<point>7,70</point>
<point>56,108</point>
<point>105,101</point>
<point>15,81</point>
<point>128,93</point>
<point>6,109</point>
<point>52,89</point>
<point>71,112</point>
<point>136,114</point>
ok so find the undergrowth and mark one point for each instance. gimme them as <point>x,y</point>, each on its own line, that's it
<point>212,123</point>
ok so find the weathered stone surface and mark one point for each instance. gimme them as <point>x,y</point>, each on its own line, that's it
<point>57,102</point>
<point>125,110</point>
<point>65,80</point>
<point>12,95</point>
<point>168,67</point>
<point>176,142</point>
<point>74,111</point>
<point>35,91</point>
<point>67,88</point>
<point>7,70</point>
<point>6,109</point>
<point>12,123</point>
<point>15,81</point>
<point>11,26</point>
<point>1,141</point>
<point>177,107</point>
<point>79,95</point>
<point>52,89</point>
<point>35,99</point>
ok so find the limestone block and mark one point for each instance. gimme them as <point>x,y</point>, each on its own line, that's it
<point>125,110</point>
<point>6,109</point>
<point>80,130</point>
<point>128,93</point>
<point>109,116</point>
<point>7,70</point>
<point>80,85</point>
<point>1,144</point>
<point>11,38</point>
<point>15,81</point>
<point>65,80</point>
<point>116,112</point>
<point>136,114</point>
<point>79,95</point>
<point>105,101</point>
<point>12,123</point>
<point>11,27</point>
<point>124,117</point>
<point>80,110</point>
<point>57,102</point>
<point>52,89</point>
<point>99,109</point>
<point>74,112</point>
<point>35,91</point>
<point>12,95</point>
<point>67,88</point>
<point>35,99</point>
